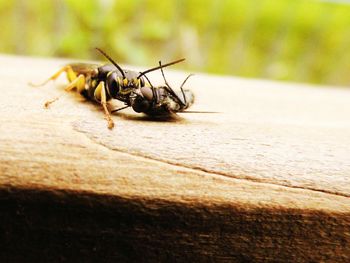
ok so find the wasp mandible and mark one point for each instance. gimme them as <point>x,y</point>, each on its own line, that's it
<point>102,83</point>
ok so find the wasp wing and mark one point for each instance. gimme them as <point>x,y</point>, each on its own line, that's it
<point>84,68</point>
<point>191,111</point>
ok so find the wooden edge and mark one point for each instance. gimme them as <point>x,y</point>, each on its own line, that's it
<point>47,225</point>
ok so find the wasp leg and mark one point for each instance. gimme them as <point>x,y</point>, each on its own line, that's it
<point>100,94</point>
<point>49,102</point>
<point>172,92</point>
<point>78,83</point>
<point>71,75</point>
<point>182,91</point>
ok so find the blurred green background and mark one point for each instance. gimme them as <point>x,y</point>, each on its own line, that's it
<point>296,40</point>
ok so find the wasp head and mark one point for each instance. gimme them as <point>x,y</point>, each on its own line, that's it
<point>140,104</point>
<point>141,101</point>
<point>123,85</point>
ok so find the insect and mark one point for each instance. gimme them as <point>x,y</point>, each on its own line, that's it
<point>161,100</point>
<point>103,83</point>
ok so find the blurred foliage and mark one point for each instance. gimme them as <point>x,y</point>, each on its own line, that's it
<point>299,40</point>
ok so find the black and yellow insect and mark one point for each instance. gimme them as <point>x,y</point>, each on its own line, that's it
<point>101,83</point>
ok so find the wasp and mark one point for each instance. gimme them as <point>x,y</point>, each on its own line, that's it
<point>162,100</point>
<point>101,83</point>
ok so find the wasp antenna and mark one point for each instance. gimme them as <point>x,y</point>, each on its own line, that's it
<point>205,112</point>
<point>112,61</point>
<point>170,89</point>
<point>183,83</point>
<point>149,82</point>
<point>119,109</point>
<point>159,67</point>
<point>154,93</point>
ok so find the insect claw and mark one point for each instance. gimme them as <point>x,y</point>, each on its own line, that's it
<point>49,102</point>
<point>110,123</point>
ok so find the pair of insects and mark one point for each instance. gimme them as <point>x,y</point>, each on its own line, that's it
<point>103,83</point>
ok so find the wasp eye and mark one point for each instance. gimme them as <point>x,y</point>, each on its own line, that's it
<point>147,93</point>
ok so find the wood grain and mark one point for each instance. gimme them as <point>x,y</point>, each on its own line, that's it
<point>266,179</point>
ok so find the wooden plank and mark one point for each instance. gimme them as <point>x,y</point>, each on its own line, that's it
<point>266,179</point>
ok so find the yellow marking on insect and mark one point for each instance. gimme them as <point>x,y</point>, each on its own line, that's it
<point>120,82</point>
<point>81,84</point>
<point>71,75</point>
<point>97,92</point>
<point>125,81</point>
<point>93,83</point>
<point>125,91</point>
<point>78,83</point>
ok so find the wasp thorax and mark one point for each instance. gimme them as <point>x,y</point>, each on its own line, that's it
<point>125,82</point>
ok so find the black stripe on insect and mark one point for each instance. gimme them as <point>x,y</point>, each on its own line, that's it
<point>102,83</point>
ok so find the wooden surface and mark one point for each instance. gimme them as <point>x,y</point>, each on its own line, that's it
<point>266,179</point>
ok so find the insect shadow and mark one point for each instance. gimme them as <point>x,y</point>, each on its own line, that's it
<point>172,118</point>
